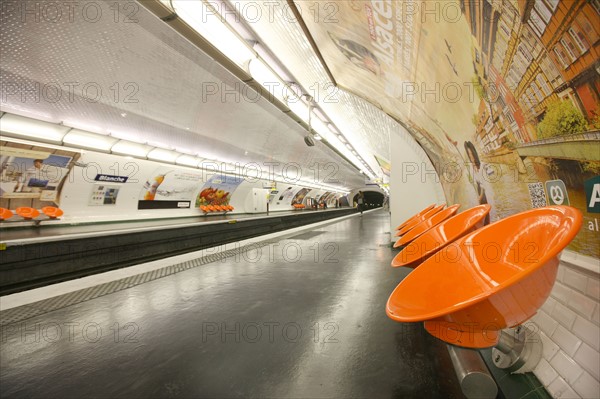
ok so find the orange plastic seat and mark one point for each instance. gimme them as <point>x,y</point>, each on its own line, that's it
<point>415,216</point>
<point>427,224</point>
<point>52,212</point>
<point>418,220</point>
<point>498,277</point>
<point>441,235</point>
<point>5,214</point>
<point>27,213</point>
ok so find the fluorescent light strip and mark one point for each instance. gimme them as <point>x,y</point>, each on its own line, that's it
<point>159,154</point>
<point>33,128</point>
<point>298,107</point>
<point>263,74</point>
<point>189,160</point>
<point>92,141</point>
<point>88,140</point>
<point>123,147</point>
<point>205,20</point>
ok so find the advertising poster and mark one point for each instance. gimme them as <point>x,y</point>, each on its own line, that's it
<point>504,98</point>
<point>169,189</point>
<point>384,165</point>
<point>300,195</point>
<point>329,198</point>
<point>284,195</point>
<point>104,195</point>
<point>28,177</point>
<point>218,190</point>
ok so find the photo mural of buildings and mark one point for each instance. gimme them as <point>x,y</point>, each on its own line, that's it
<point>503,95</point>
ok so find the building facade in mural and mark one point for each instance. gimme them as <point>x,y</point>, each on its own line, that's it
<point>503,95</point>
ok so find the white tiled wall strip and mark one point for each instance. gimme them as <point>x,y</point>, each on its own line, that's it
<point>569,326</point>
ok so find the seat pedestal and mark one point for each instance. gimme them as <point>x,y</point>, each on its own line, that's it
<point>466,335</point>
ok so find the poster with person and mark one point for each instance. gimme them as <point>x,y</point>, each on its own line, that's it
<point>503,98</point>
<point>28,177</point>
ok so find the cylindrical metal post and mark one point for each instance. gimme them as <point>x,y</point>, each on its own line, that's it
<point>506,342</point>
<point>474,377</point>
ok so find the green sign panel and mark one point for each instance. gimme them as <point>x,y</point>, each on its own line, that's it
<point>592,194</point>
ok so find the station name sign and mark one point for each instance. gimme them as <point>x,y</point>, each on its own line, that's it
<point>111,178</point>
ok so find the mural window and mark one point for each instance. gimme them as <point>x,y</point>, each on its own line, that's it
<point>552,73</point>
<point>509,116</point>
<point>569,48</point>
<point>512,76</point>
<point>537,91</point>
<point>507,21</point>
<point>552,4</point>
<point>561,56</point>
<point>508,13</point>
<point>510,82</point>
<point>500,102</point>
<point>537,24</point>
<point>596,5</point>
<point>532,100</point>
<point>503,90</point>
<point>543,84</point>
<point>579,38</point>
<point>525,53</point>
<point>532,104</point>
<point>543,11</point>
<point>588,29</point>
<point>489,124</point>
<point>516,67</point>
<point>504,29</point>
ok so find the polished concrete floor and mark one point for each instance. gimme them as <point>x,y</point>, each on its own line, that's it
<point>303,317</point>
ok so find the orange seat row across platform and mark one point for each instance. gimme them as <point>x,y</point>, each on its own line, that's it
<point>426,225</point>
<point>216,208</point>
<point>299,206</point>
<point>492,278</point>
<point>414,222</point>
<point>29,213</point>
<point>416,216</point>
<point>438,236</point>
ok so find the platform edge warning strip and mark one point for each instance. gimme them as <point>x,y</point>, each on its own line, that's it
<point>21,313</point>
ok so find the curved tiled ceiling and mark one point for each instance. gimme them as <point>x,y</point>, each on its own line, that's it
<point>366,126</point>
<point>165,77</point>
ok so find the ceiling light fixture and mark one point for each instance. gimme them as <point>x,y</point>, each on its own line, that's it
<point>206,20</point>
<point>82,139</point>
<point>22,127</point>
<point>123,147</point>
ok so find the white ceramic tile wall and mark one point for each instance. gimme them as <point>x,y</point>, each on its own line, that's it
<point>569,326</point>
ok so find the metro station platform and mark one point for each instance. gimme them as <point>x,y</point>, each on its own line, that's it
<point>36,255</point>
<point>297,317</point>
